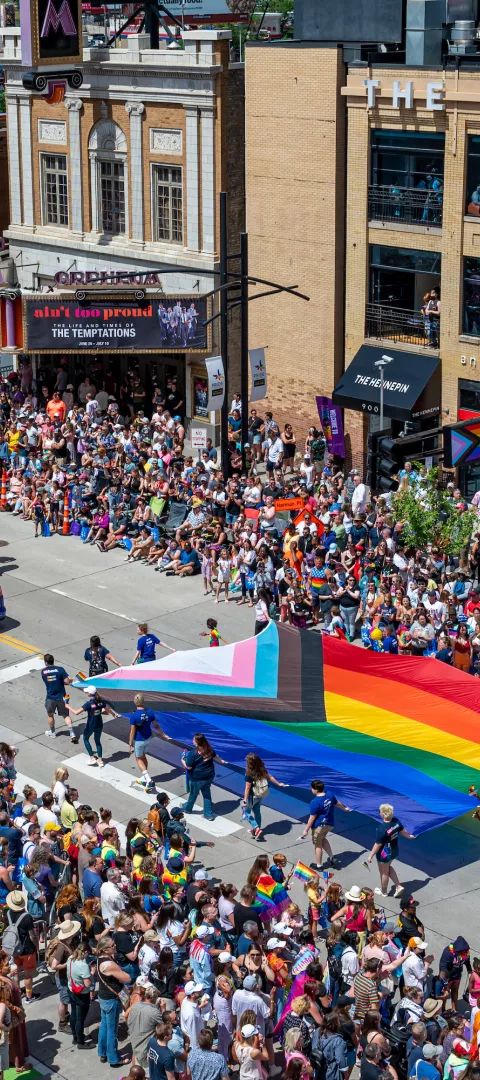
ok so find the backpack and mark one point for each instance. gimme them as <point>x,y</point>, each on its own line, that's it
<point>49,952</point>
<point>97,663</point>
<point>154,818</point>
<point>335,968</point>
<point>11,937</point>
<point>260,788</point>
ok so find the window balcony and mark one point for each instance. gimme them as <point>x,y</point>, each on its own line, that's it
<point>405,206</point>
<point>400,324</point>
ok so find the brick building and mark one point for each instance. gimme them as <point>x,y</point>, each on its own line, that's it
<point>121,176</point>
<point>376,205</point>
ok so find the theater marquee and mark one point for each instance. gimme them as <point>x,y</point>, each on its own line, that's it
<point>115,324</point>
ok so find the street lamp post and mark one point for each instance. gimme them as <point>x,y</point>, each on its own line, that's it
<point>382,363</point>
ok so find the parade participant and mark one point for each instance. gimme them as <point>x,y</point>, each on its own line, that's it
<point>95,709</point>
<point>56,679</point>
<point>321,821</point>
<point>385,849</point>
<point>142,723</point>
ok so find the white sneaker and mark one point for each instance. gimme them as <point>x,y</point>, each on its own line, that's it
<point>50,734</point>
<point>92,761</point>
<point>378,892</point>
<point>398,890</point>
<point>100,763</point>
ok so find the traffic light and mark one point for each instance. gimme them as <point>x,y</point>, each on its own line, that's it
<point>389,458</point>
<point>372,450</point>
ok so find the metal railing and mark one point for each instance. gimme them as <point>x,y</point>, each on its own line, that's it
<point>400,324</point>
<point>405,205</point>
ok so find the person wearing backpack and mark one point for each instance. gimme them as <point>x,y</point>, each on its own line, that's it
<point>96,657</point>
<point>59,950</point>
<point>79,982</point>
<point>20,940</point>
<point>257,780</point>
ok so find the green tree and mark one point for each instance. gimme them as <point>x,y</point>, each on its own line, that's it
<point>428,516</point>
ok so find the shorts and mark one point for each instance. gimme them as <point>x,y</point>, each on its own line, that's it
<point>315,599</point>
<point>257,440</point>
<point>141,747</point>
<point>28,962</point>
<point>271,466</point>
<point>56,705</point>
<point>63,994</point>
<point>320,833</point>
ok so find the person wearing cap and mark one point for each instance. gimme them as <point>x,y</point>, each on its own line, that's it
<point>250,1051</point>
<point>415,967</point>
<point>95,709</point>
<point>251,997</point>
<point>409,923</point>
<point>200,957</point>
<point>191,1019</point>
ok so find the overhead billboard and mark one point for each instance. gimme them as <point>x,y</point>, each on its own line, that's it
<point>119,323</point>
<point>212,10</point>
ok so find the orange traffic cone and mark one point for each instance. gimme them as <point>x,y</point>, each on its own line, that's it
<point>66,515</point>
<point>3,490</point>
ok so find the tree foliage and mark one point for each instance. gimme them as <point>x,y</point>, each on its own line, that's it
<point>429,516</point>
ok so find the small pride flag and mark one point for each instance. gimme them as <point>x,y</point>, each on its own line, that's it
<point>304,873</point>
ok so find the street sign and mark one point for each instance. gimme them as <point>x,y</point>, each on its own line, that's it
<point>198,438</point>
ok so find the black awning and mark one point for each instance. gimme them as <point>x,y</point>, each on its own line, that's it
<point>406,377</point>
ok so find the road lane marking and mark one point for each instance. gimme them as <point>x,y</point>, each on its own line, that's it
<point>24,667</point>
<point>121,782</point>
<point>15,643</point>
<point>88,603</point>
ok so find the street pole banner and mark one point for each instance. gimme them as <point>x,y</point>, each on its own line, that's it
<point>331,420</point>
<point>258,373</point>
<point>216,383</point>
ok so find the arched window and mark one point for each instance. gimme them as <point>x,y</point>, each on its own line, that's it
<point>107,149</point>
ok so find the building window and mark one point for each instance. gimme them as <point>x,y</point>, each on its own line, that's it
<point>404,295</point>
<point>473,176</point>
<point>54,190</point>
<point>107,147</point>
<point>406,182</point>
<point>111,188</point>
<point>167,203</point>
<point>471,297</point>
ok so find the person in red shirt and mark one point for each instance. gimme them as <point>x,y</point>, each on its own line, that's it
<point>473,603</point>
<point>56,408</point>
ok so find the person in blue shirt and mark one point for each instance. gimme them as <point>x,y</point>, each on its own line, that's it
<point>96,657</point>
<point>142,722</point>
<point>95,710</point>
<point>146,645</point>
<point>92,880</point>
<point>321,821</point>
<point>56,679</point>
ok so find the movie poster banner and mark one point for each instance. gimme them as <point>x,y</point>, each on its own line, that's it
<point>331,420</point>
<point>216,383</point>
<point>117,324</point>
<point>258,372</point>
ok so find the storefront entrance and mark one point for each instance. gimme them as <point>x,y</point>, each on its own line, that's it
<point>146,380</point>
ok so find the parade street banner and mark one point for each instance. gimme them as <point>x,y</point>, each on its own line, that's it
<point>117,324</point>
<point>216,383</point>
<point>331,420</point>
<point>258,373</point>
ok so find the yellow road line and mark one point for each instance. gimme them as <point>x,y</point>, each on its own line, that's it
<point>22,646</point>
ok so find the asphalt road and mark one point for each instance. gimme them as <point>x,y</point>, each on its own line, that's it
<point>58,592</point>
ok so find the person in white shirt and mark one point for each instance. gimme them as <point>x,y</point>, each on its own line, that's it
<point>359,496</point>
<point>191,1019</point>
<point>274,451</point>
<point>45,812</point>
<point>415,968</point>
<point>112,899</point>
<point>149,952</point>
<point>435,609</point>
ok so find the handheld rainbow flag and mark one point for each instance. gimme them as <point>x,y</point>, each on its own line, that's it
<point>375,728</point>
<point>271,897</point>
<point>304,872</point>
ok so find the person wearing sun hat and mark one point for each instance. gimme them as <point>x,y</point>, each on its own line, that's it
<point>26,952</point>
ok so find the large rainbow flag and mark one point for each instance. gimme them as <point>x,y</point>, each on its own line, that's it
<point>376,728</point>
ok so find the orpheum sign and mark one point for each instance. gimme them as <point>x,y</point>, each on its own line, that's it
<point>51,32</point>
<point>117,324</point>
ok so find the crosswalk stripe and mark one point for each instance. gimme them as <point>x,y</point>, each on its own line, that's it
<point>119,780</point>
<point>24,667</point>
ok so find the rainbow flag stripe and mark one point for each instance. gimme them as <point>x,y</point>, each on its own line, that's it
<point>271,897</point>
<point>304,873</point>
<point>374,727</point>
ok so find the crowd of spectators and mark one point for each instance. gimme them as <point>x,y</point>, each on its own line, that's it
<point>162,967</point>
<point>340,563</point>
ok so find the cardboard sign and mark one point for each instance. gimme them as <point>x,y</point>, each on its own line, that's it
<point>288,504</point>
